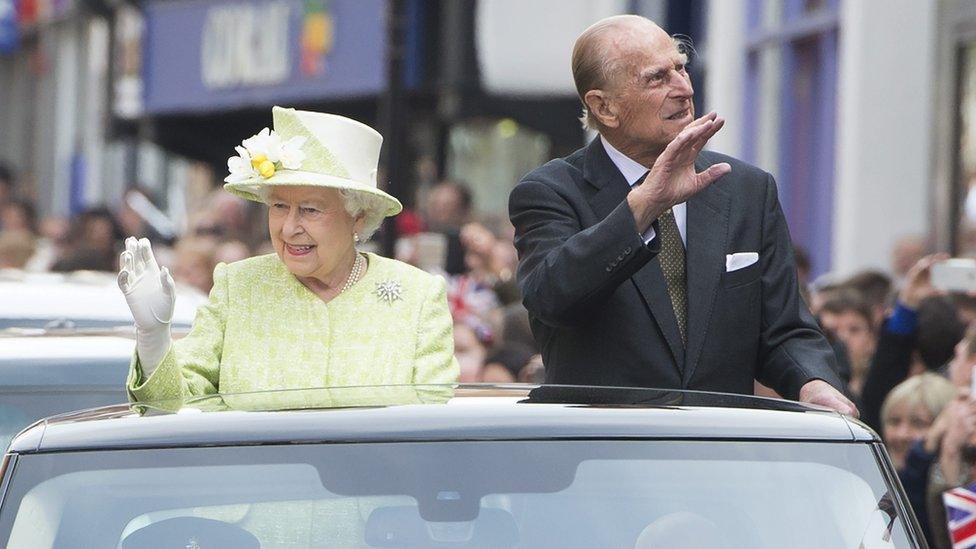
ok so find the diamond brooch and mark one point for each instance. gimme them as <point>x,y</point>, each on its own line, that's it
<point>389,291</point>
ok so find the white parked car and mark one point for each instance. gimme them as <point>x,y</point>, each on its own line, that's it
<point>82,299</point>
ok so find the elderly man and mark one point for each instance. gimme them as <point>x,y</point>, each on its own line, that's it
<point>645,261</point>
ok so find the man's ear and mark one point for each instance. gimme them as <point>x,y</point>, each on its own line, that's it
<point>599,105</point>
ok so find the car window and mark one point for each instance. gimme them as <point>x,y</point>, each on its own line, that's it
<point>457,494</point>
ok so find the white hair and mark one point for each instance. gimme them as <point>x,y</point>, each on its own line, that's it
<point>594,65</point>
<point>357,203</point>
<point>370,206</point>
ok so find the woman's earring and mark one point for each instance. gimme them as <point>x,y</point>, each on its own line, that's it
<point>355,237</point>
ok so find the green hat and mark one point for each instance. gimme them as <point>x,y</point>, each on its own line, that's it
<point>311,149</point>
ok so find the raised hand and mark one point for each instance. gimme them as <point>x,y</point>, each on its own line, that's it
<point>918,281</point>
<point>149,290</point>
<point>673,179</point>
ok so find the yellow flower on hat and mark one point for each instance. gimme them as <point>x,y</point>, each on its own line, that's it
<point>266,168</point>
<point>264,154</point>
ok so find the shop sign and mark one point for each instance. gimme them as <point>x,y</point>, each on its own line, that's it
<point>221,54</point>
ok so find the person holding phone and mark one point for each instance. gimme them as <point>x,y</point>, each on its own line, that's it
<point>920,334</point>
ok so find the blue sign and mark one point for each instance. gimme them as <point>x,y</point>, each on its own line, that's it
<point>9,33</point>
<point>219,54</point>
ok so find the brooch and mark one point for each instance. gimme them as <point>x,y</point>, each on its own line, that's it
<point>389,291</point>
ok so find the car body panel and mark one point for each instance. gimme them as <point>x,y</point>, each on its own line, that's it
<point>510,414</point>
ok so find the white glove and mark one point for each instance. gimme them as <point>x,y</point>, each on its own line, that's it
<point>151,295</point>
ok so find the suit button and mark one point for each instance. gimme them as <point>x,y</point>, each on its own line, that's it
<point>627,250</point>
<point>620,257</point>
<point>609,269</point>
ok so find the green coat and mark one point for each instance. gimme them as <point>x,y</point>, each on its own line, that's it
<point>262,329</point>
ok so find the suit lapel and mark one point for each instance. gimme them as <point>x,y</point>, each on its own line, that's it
<point>600,172</point>
<point>611,189</point>
<point>707,228</point>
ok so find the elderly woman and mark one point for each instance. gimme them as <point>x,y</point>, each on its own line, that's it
<point>317,312</point>
<point>907,417</point>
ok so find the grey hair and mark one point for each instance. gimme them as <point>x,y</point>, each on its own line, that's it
<point>594,66</point>
<point>371,207</point>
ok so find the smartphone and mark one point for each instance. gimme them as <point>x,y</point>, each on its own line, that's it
<point>955,275</point>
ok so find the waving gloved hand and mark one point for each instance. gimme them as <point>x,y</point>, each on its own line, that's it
<point>151,295</point>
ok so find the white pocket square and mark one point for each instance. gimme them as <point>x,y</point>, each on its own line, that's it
<point>740,260</point>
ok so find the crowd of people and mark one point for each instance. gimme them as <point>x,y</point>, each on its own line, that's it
<point>898,349</point>
<point>906,351</point>
<point>443,235</point>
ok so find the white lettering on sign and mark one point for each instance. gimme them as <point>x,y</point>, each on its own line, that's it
<point>245,45</point>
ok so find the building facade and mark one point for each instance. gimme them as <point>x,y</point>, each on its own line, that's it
<point>836,98</point>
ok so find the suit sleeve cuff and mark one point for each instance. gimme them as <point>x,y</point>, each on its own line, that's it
<point>163,384</point>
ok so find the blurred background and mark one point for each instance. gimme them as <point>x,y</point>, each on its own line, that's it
<point>861,109</point>
<point>117,118</point>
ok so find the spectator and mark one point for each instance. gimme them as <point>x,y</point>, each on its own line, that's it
<point>907,414</point>
<point>7,185</point>
<point>906,253</point>
<point>909,410</point>
<point>950,441</point>
<point>96,242</point>
<point>848,317</point>
<point>505,364</point>
<point>822,289</point>
<point>875,287</point>
<point>18,215</point>
<point>939,330</point>
<point>50,245</point>
<point>16,248</point>
<point>448,208</point>
<point>470,352</point>
<point>516,327</point>
<point>194,262</point>
<point>965,305</point>
<point>918,335</point>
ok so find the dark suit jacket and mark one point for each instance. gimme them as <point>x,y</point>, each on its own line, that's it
<point>598,302</point>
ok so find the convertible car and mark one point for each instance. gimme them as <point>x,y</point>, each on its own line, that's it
<point>454,466</point>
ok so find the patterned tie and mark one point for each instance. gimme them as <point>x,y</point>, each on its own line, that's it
<point>673,264</point>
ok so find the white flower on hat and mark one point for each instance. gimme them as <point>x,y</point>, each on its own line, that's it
<point>240,167</point>
<point>263,154</point>
<point>292,155</point>
<point>266,143</point>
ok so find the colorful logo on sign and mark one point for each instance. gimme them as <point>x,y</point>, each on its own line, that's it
<point>318,36</point>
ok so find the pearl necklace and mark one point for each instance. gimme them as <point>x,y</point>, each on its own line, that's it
<point>358,267</point>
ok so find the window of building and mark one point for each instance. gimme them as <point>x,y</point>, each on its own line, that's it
<point>790,105</point>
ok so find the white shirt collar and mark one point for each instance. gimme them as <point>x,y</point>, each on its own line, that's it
<point>631,169</point>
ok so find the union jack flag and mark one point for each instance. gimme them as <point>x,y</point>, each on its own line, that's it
<point>960,504</point>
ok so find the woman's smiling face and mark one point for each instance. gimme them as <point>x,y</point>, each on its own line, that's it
<point>311,231</point>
